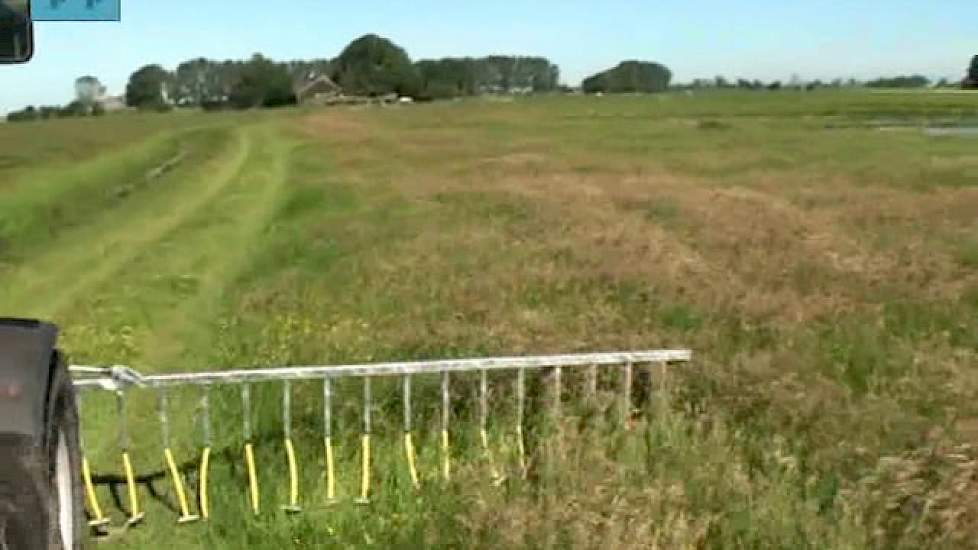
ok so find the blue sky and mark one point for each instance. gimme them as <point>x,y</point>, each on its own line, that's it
<point>765,39</point>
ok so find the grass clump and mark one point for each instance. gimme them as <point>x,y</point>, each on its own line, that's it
<point>713,125</point>
<point>682,318</point>
<point>663,210</point>
<point>968,254</point>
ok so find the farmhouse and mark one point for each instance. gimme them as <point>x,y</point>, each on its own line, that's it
<point>319,90</point>
<point>112,103</point>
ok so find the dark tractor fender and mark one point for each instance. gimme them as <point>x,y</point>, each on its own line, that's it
<point>29,366</point>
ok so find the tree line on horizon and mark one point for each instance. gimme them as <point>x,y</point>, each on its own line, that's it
<point>374,66</point>
<point>900,81</point>
<point>369,66</point>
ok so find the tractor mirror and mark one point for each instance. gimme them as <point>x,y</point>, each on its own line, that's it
<point>16,31</point>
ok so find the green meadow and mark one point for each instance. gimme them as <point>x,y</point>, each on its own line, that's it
<point>818,252</point>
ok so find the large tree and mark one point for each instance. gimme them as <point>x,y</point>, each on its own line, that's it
<point>196,81</point>
<point>971,81</point>
<point>511,73</point>
<point>372,65</point>
<point>630,76</point>
<point>262,83</point>
<point>452,77</point>
<point>147,88</point>
<point>445,78</point>
<point>88,90</point>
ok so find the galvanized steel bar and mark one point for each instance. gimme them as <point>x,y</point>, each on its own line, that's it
<point>88,377</point>
<point>253,491</point>
<point>120,408</point>
<point>592,381</point>
<point>290,456</point>
<point>203,492</point>
<point>327,408</point>
<point>483,400</point>
<point>626,407</point>
<point>78,414</point>
<point>365,465</point>
<point>406,395</point>
<point>135,514</point>
<point>328,439</point>
<point>164,418</point>
<point>287,409</point>
<point>445,413</point>
<point>205,413</point>
<point>484,423</point>
<point>367,397</point>
<point>520,398</point>
<point>409,453</point>
<point>246,410</point>
<point>170,463</point>
<point>557,392</point>
<point>445,401</point>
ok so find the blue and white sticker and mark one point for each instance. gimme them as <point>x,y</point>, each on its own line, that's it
<point>76,10</point>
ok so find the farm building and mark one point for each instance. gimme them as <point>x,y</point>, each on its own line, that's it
<point>112,103</point>
<point>318,90</point>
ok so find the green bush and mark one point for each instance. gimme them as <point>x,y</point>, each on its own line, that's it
<point>630,76</point>
<point>146,87</point>
<point>262,83</point>
<point>372,65</point>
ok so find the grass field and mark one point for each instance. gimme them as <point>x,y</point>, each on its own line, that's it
<point>818,251</point>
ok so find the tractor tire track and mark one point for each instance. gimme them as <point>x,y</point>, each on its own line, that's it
<point>213,255</point>
<point>88,256</point>
<point>166,297</point>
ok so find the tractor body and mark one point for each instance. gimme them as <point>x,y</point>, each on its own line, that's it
<point>37,419</point>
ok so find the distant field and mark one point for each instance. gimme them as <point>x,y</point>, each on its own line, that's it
<point>818,251</point>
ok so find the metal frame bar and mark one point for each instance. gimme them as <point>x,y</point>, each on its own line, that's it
<point>290,457</point>
<point>205,418</point>
<point>136,514</point>
<point>205,455</point>
<point>558,392</point>
<point>365,463</point>
<point>483,400</point>
<point>328,439</point>
<point>520,406</point>
<point>253,491</point>
<point>626,393</point>
<point>170,462</point>
<point>409,452</point>
<point>446,411</point>
<point>114,378</point>
<point>120,379</point>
